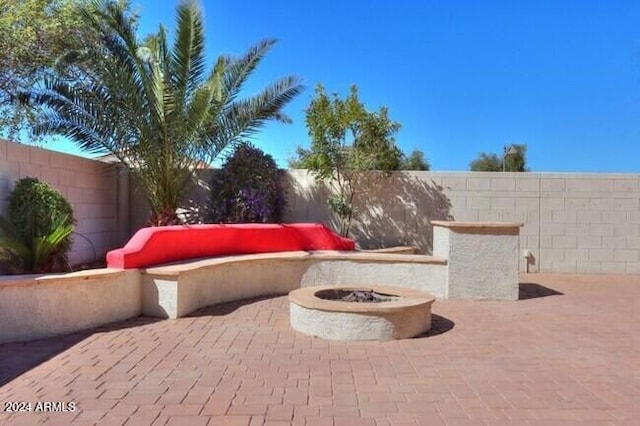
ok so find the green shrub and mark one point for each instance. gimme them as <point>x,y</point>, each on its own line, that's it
<point>36,234</point>
<point>247,188</point>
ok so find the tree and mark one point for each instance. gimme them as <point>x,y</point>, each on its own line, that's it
<point>300,160</point>
<point>158,109</point>
<point>415,161</point>
<point>247,188</point>
<point>517,162</point>
<point>33,34</point>
<point>513,162</point>
<point>346,140</point>
<point>486,163</point>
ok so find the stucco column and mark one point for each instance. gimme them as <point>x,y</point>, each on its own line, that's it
<point>482,258</point>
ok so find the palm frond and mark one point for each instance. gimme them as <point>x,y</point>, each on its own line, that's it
<point>251,114</point>
<point>238,70</point>
<point>44,246</point>
<point>151,105</point>
<point>188,62</point>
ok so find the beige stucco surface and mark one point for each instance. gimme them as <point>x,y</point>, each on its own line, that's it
<point>355,326</point>
<point>175,290</point>
<point>482,259</point>
<point>407,316</point>
<point>47,305</point>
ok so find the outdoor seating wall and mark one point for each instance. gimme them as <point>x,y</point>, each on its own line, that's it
<point>573,222</point>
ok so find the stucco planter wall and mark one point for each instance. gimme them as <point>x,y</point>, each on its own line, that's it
<point>482,258</point>
<point>36,306</point>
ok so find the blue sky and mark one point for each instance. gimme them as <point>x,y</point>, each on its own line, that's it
<point>461,77</point>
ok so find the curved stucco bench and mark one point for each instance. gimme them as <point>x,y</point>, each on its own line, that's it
<point>178,289</point>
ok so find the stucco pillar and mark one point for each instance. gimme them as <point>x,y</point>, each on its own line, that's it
<point>482,258</point>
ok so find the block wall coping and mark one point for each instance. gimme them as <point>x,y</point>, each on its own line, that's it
<point>498,227</point>
<point>177,268</point>
<point>38,279</point>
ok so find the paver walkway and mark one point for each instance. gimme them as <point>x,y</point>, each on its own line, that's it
<point>567,353</point>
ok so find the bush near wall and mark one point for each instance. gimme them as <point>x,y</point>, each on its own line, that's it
<point>36,234</point>
<point>247,188</point>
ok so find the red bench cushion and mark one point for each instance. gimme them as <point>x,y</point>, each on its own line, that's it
<point>164,244</point>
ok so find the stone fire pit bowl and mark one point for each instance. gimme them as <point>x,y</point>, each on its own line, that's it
<point>396,313</point>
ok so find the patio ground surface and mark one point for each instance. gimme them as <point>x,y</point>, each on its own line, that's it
<point>568,352</point>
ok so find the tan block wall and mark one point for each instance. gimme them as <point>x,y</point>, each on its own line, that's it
<point>98,193</point>
<point>572,222</point>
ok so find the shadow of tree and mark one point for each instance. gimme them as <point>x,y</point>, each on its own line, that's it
<point>399,210</point>
<point>306,199</point>
<point>196,199</point>
<point>534,291</point>
<point>19,357</point>
<point>394,211</point>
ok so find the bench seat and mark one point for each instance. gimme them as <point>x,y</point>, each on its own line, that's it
<point>177,289</point>
<point>158,245</point>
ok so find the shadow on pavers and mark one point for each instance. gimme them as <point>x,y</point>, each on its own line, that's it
<point>533,291</point>
<point>17,358</point>
<point>226,308</point>
<point>439,325</point>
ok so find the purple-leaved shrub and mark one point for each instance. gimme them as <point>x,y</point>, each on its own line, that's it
<point>247,188</point>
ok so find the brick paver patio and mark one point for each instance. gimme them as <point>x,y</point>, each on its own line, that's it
<point>567,353</point>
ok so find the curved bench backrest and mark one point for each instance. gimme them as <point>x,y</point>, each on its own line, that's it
<point>157,245</point>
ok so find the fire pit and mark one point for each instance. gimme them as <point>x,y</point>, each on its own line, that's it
<point>360,313</point>
<point>359,296</point>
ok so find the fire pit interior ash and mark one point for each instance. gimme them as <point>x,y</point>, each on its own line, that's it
<point>358,296</point>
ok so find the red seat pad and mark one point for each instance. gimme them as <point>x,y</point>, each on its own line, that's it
<point>164,244</point>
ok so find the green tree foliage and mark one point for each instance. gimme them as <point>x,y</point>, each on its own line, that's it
<point>415,161</point>
<point>517,162</point>
<point>490,162</point>
<point>36,235</point>
<point>157,107</point>
<point>300,160</point>
<point>247,188</point>
<point>33,35</point>
<point>347,140</point>
<point>486,163</point>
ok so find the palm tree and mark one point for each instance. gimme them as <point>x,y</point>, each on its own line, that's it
<point>158,109</point>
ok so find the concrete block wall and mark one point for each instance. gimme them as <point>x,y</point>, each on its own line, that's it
<point>590,223</point>
<point>98,193</point>
<point>572,222</point>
